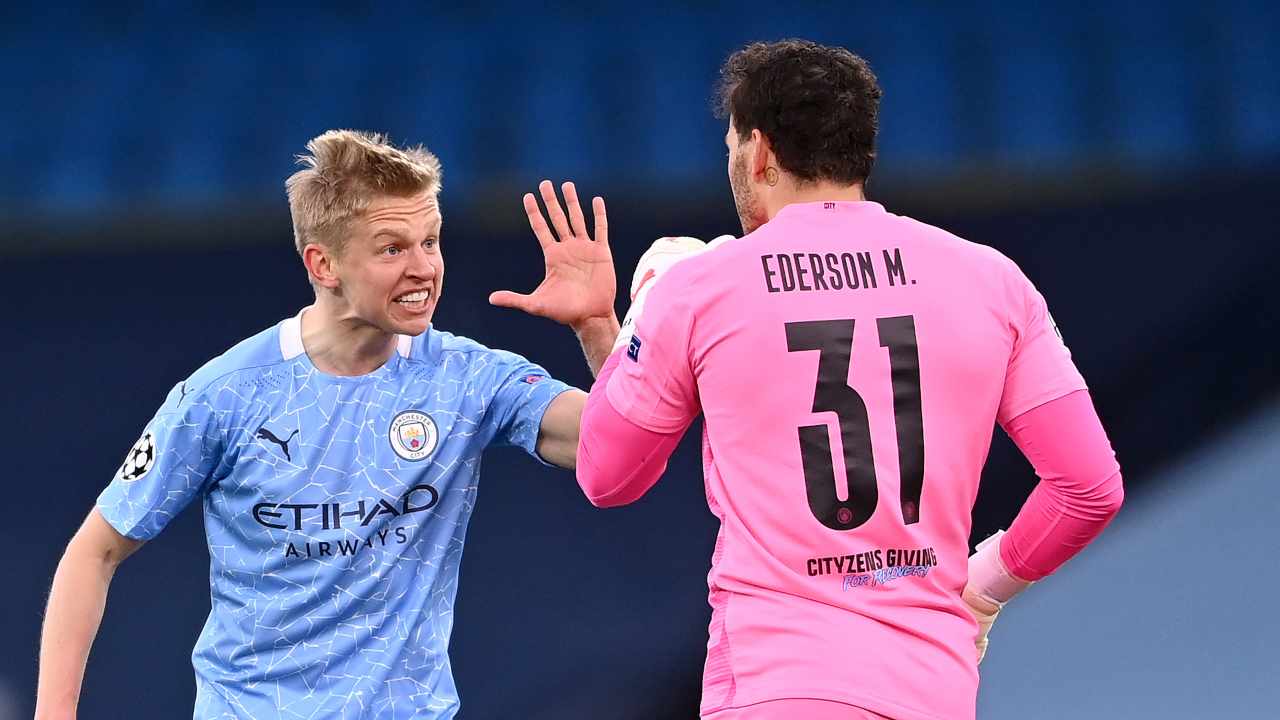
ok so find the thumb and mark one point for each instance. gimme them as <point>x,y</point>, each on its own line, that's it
<point>506,298</point>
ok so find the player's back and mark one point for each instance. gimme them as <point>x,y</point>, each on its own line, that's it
<point>850,365</point>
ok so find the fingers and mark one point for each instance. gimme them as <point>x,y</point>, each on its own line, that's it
<point>537,222</point>
<point>576,219</point>
<point>558,221</point>
<point>599,221</point>
<point>573,225</point>
<point>506,298</point>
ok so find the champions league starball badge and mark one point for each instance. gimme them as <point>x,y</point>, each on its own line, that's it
<point>139,459</point>
<point>413,435</point>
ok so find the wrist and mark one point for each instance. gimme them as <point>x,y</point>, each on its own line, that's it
<point>601,327</point>
<point>55,711</point>
<point>983,607</point>
<point>989,579</point>
<point>597,335</point>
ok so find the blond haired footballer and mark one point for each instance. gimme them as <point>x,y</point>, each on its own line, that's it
<point>337,456</point>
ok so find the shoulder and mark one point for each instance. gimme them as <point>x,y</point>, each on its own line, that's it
<point>250,359</point>
<point>448,350</point>
<point>985,267</point>
<point>695,279</point>
<point>444,341</point>
<point>973,254</point>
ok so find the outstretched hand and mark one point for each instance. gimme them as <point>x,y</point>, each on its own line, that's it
<point>580,284</point>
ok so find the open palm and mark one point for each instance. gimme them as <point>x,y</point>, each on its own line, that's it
<point>580,283</point>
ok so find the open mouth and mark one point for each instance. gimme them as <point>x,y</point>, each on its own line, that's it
<point>416,300</point>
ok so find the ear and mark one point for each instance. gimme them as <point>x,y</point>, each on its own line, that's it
<point>321,265</point>
<point>761,153</point>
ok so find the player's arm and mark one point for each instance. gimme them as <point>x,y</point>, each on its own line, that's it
<point>74,612</point>
<point>1049,414</point>
<point>1080,488</point>
<point>578,290</point>
<point>645,397</point>
<point>558,432</point>
<point>579,286</point>
<point>618,461</point>
<point>630,445</point>
<point>167,468</point>
<point>1079,492</point>
<point>620,458</point>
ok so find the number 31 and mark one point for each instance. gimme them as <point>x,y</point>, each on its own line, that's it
<point>834,341</point>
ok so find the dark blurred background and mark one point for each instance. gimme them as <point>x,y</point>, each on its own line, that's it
<point>1126,155</point>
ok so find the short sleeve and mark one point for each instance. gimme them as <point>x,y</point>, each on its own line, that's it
<point>654,385</point>
<point>1040,367</point>
<point>166,468</point>
<point>523,391</point>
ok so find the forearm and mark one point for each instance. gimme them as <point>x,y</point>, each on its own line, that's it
<point>71,619</point>
<point>597,336</point>
<point>558,436</point>
<point>618,461</point>
<point>76,603</point>
<point>1079,492</point>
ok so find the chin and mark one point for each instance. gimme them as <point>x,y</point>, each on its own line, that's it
<point>413,327</point>
<point>399,325</point>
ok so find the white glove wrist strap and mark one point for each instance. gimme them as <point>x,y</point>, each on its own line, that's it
<point>988,577</point>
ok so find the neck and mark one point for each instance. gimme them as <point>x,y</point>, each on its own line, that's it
<point>788,192</point>
<point>339,343</point>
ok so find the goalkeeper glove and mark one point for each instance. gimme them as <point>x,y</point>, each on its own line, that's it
<point>664,253</point>
<point>990,586</point>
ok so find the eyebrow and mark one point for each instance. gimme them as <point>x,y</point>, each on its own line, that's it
<point>401,235</point>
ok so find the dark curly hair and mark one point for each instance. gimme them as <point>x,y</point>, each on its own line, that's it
<point>818,105</point>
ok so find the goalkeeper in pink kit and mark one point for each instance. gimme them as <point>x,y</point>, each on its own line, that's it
<point>850,365</point>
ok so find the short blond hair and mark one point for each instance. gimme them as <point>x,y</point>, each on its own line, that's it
<point>343,172</point>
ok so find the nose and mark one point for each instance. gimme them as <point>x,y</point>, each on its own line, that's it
<point>420,265</point>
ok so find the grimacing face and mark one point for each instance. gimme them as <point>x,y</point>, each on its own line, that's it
<point>750,210</point>
<point>392,270</point>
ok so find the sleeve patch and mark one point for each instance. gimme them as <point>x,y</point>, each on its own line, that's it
<point>140,458</point>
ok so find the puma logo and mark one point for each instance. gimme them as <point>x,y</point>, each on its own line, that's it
<point>265,434</point>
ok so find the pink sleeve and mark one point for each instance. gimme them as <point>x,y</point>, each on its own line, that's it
<point>1079,490</point>
<point>618,461</point>
<point>1040,367</point>
<point>654,386</point>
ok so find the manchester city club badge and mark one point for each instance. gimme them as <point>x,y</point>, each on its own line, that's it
<point>413,435</point>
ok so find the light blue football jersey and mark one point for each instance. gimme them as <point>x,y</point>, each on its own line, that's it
<point>335,510</point>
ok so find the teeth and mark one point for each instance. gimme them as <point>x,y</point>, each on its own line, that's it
<point>414,296</point>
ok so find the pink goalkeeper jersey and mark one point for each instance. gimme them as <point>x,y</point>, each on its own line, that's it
<point>850,365</point>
